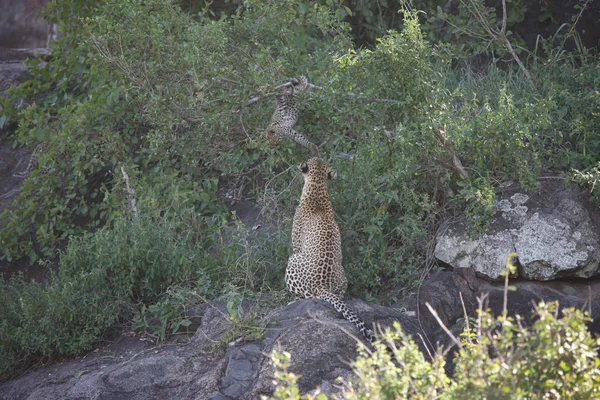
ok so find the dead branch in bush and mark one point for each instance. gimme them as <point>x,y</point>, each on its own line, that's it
<point>495,34</point>
<point>137,77</point>
<point>455,163</point>
<point>583,7</point>
<point>130,193</point>
<point>442,325</point>
<point>275,92</point>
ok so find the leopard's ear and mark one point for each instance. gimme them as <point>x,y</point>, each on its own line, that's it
<point>331,174</point>
<point>304,167</point>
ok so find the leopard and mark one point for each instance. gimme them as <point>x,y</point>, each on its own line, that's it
<point>39,149</point>
<point>315,269</point>
<point>285,116</point>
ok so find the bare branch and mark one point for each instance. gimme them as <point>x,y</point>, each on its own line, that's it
<point>274,93</point>
<point>130,193</point>
<point>503,29</point>
<point>498,36</point>
<point>442,325</point>
<point>456,165</point>
<point>514,55</point>
<point>575,23</point>
<point>462,302</point>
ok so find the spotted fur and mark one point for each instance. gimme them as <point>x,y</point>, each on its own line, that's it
<point>315,269</point>
<point>33,160</point>
<point>286,115</point>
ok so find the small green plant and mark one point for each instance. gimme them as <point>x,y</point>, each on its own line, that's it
<point>478,197</point>
<point>253,259</point>
<point>63,316</point>
<point>500,359</point>
<point>287,387</point>
<point>588,178</point>
<point>168,318</point>
<point>168,315</point>
<point>129,254</point>
<point>246,329</point>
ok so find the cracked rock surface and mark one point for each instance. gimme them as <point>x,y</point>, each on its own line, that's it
<point>555,233</point>
<point>205,364</point>
<point>315,335</point>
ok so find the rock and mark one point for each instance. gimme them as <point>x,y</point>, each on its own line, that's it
<point>444,289</point>
<point>12,161</point>
<point>15,55</point>
<point>555,233</point>
<point>21,24</point>
<point>321,343</point>
<point>12,73</point>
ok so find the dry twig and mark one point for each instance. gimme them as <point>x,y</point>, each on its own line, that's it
<point>495,34</point>
<point>275,92</point>
<point>456,165</point>
<point>442,325</point>
<point>130,193</point>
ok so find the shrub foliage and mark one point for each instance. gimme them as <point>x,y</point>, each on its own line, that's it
<point>498,358</point>
<point>154,94</point>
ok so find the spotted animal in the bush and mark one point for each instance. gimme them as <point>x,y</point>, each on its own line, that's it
<point>286,115</point>
<point>41,148</point>
<point>315,269</point>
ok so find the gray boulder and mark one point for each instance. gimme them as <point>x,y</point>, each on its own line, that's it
<point>210,365</point>
<point>21,24</point>
<point>554,232</point>
<point>218,361</point>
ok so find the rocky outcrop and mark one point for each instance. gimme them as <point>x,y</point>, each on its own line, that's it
<point>321,345</point>
<point>555,233</point>
<point>443,290</point>
<point>217,361</point>
<point>13,72</point>
<point>21,24</point>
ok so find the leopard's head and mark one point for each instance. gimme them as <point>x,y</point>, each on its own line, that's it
<point>317,171</point>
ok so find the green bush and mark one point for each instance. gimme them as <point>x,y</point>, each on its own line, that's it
<point>498,358</point>
<point>383,209</point>
<point>478,196</point>
<point>385,104</point>
<point>144,256</point>
<point>101,279</point>
<point>63,316</point>
<point>146,269</point>
<point>141,85</point>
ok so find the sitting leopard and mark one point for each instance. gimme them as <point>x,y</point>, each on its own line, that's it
<point>286,115</point>
<point>315,269</point>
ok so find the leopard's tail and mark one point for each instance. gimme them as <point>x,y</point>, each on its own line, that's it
<point>347,313</point>
<point>303,141</point>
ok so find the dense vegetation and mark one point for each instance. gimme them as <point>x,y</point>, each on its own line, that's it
<point>497,358</point>
<point>152,95</point>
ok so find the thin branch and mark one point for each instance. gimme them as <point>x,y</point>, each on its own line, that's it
<point>503,29</point>
<point>274,93</point>
<point>498,36</point>
<point>442,325</point>
<point>456,166</point>
<point>517,59</point>
<point>462,302</point>
<point>130,193</point>
<point>575,23</point>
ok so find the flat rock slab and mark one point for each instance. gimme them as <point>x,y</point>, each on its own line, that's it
<point>322,345</point>
<point>320,342</point>
<point>555,232</point>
